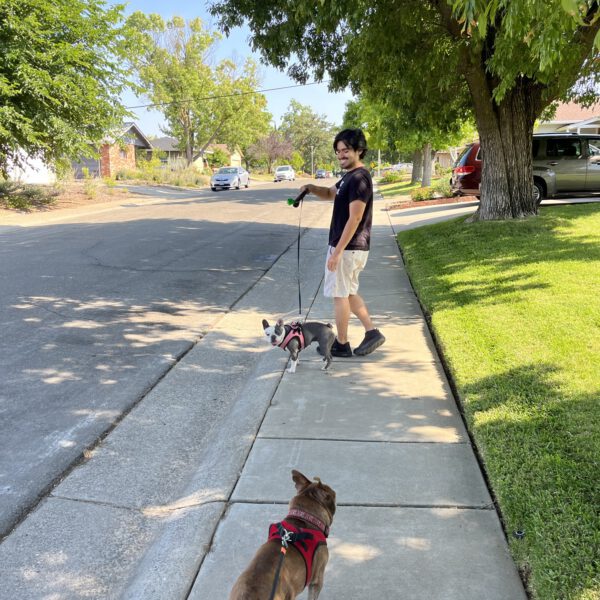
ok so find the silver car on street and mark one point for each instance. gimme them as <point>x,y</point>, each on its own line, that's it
<point>229,177</point>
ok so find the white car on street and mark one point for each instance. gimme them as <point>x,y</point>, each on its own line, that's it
<point>285,173</point>
<point>229,177</point>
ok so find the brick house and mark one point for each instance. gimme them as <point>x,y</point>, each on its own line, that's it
<point>117,152</point>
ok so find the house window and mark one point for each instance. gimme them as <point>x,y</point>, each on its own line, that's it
<point>123,153</point>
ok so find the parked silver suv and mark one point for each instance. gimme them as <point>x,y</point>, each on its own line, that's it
<point>563,163</point>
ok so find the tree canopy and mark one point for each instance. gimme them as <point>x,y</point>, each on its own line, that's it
<point>310,134</point>
<point>61,76</point>
<point>202,103</point>
<point>503,61</point>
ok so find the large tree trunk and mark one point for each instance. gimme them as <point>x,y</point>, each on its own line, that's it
<point>505,134</point>
<point>426,154</point>
<point>417,170</point>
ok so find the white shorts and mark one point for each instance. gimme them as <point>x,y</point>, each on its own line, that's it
<point>343,282</point>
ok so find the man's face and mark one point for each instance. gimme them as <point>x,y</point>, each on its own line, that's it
<point>347,156</point>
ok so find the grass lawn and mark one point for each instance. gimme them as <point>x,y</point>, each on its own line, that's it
<point>391,190</point>
<point>515,307</point>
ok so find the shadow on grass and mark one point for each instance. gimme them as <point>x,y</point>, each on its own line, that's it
<point>540,449</point>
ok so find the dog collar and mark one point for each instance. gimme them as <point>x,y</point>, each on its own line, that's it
<point>309,518</point>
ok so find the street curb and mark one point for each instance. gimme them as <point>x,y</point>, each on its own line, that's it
<point>158,576</point>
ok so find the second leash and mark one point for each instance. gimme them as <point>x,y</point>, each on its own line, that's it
<point>297,202</point>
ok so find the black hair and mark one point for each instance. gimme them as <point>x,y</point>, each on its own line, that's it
<point>354,138</point>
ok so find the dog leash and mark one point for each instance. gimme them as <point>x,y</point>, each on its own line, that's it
<point>297,202</point>
<point>277,573</point>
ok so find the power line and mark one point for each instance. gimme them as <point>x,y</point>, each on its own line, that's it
<point>287,87</point>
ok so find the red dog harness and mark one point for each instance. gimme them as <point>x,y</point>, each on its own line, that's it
<point>306,541</point>
<point>295,331</point>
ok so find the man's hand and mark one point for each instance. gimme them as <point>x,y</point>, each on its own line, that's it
<point>333,261</point>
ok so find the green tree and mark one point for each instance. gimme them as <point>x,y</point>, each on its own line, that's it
<point>310,134</point>
<point>509,58</point>
<point>372,118</point>
<point>218,158</point>
<point>297,161</point>
<point>238,115</point>
<point>202,104</point>
<point>60,78</point>
<point>389,127</point>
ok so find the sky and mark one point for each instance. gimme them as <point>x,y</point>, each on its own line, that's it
<point>237,46</point>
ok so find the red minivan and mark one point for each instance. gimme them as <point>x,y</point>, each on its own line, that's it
<point>466,174</point>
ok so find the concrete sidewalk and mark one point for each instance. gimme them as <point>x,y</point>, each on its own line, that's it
<point>167,508</point>
<point>414,519</point>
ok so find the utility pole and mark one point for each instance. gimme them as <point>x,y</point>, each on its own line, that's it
<point>312,161</point>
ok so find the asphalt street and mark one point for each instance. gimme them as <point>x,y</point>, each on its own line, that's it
<point>98,304</point>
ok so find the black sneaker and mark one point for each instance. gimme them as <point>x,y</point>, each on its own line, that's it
<point>339,350</point>
<point>373,339</point>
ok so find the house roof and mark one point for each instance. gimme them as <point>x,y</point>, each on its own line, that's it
<point>128,128</point>
<point>572,112</point>
<point>167,144</point>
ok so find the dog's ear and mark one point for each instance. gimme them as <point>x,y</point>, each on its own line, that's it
<point>265,323</point>
<point>300,480</point>
<point>325,496</point>
<point>280,322</point>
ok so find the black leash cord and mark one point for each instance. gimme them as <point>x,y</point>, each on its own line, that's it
<point>298,203</point>
<point>276,580</point>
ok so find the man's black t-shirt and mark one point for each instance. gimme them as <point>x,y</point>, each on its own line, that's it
<point>354,185</point>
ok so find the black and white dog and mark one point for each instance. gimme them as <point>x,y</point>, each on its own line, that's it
<point>295,336</point>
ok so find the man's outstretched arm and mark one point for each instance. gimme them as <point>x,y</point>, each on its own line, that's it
<point>323,193</point>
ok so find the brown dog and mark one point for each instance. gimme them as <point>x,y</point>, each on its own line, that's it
<point>309,518</point>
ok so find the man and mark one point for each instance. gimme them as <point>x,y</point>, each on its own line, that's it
<point>349,241</point>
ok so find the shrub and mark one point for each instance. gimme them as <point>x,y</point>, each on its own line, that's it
<point>422,193</point>
<point>442,171</point>
<point>187,177</point>
<point>442,187</point>
<point>391,177</point>
<point>90,187</point>
<point>14,194</point>
<point>127,174</point>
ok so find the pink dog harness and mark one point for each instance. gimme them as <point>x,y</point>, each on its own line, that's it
<point>294,330</point>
